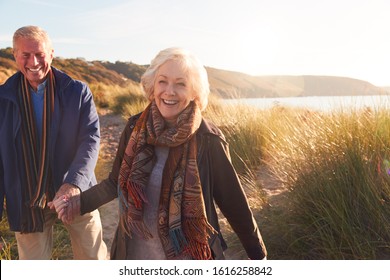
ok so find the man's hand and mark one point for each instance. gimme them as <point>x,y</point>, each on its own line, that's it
<point>68,190</point>
<point>66,203</point>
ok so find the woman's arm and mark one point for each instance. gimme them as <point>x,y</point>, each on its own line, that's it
<point>232,201</point>
<point>107,190</point>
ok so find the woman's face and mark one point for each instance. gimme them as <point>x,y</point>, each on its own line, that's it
<point>172,91</point>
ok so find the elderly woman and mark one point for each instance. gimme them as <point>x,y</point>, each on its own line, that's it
<point>170,168</point>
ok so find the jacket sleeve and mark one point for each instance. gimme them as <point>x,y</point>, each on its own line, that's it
<point>2,190</point>
<point>83,165</point>
<point>107,190</point>
<point>232,201</point>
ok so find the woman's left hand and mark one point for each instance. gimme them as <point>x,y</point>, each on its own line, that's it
<point>59,205</point>
<point>66,208</point>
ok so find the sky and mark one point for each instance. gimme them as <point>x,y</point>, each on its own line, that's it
<point>348,38</point>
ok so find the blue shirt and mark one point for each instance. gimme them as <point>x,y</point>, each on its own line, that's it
<point>37,100</point>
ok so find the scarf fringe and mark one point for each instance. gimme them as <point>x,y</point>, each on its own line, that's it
<point>137,193</point>
<point>40,203</point>
<point>140,229</point>
<point>131,226</point>
<point>198,227</point>
<point>199,251</point>
<point>178,239</point>
<point>195,242</point>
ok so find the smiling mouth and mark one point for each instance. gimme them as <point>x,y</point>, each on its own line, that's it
<point>34,70</point>
<point>169,102</point>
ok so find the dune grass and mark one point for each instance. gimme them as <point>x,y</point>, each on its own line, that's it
<point>62,249</point>
<point>122,101</point>
<point>334,166</point>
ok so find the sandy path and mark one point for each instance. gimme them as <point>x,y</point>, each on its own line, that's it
<point>111,127</point>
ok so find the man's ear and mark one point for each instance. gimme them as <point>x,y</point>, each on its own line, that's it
<point>14,53</point>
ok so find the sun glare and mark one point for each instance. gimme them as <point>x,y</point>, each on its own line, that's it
<point>255,49</point>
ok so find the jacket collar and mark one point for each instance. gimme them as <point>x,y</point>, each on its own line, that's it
<point>207,127</point>
<point>7,90</point>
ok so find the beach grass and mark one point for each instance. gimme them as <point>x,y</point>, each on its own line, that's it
<point>335,167</point>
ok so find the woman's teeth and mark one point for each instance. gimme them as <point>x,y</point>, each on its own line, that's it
<point>169,102</point>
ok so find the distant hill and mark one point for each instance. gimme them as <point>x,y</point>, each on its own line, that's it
<point>90,71</point>
<point>226,84</point>
<point>229,84</point>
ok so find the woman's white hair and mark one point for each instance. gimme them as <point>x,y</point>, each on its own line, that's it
<point>196,72</point>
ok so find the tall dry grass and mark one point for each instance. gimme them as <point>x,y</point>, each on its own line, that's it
<point>127,100</point>
<point>334,166</point>
<point>245,131</point>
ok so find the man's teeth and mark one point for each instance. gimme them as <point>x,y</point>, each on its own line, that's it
<point>34,70</point>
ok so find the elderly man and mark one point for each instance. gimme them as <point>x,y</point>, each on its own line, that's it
<point>49,146</point>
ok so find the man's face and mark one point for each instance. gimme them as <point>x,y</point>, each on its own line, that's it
<point>33,59</point>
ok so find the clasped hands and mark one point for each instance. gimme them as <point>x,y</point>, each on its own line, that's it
<point>66,203</point>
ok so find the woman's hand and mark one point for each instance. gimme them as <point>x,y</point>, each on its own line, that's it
<point>59,204</point>
<point>66,207</point>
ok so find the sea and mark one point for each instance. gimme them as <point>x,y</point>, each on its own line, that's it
<point>320,103</point>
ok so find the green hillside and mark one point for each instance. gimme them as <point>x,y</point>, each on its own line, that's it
<point>225,84</point>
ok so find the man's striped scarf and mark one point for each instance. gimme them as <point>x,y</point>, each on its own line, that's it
<point>35,155</point>
<point>182,222</point>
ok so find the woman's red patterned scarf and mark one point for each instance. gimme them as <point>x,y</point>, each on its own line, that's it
<point>183,226</point>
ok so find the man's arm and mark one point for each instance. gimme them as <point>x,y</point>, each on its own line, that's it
<point>83,165</point>
<point>2,192</point>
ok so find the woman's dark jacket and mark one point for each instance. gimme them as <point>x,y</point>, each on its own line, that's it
<point>220,184</point>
